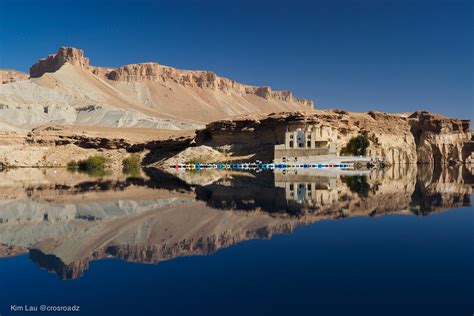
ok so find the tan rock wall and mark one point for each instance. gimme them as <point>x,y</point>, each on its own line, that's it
<point>201,79</point>
<point>54,62</point>
<point>399,139</point>
<point>9,76</point>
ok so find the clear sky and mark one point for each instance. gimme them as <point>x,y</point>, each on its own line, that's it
<point>358,55</point>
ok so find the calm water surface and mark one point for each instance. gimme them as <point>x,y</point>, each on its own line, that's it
<point>397,242</point>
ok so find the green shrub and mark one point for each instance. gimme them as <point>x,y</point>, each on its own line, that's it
<point>131,165</point>
<point>131,162</point>
<point>93,163</point>
<point>356,146</point>
<point>94,166</point>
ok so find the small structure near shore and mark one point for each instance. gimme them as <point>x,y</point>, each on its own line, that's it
<point>311,143</point>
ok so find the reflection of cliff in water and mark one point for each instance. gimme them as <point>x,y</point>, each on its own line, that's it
<point>310,191</point>
<point>66,224</point>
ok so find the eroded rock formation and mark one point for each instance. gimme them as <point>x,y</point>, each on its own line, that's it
<point>55,61</point>
<point>439,139</point>
<point>201,79</point>
<point>159,73</point>
<point>9,76</point>
<point>422,137</point>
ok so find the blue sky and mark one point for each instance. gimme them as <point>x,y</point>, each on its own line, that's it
<point>361,55</point>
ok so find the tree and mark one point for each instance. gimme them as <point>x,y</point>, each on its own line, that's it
<point>356,146</point>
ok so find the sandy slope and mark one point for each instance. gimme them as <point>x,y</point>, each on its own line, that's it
<point>79,94</point>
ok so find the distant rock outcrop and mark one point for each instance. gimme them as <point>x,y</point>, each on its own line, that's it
<point>9,76</point>
<point>53,62</point>
<point>157,72</point>
<point>65,89</point>
<point>201,79</point>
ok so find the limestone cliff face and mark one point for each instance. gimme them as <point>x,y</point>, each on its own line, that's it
<point>389,135</point>
<point>201,79</point>
<point>155,72</point>
<point>439,139</point>
<point>9,76</point>
<point>55,61</point>
<point>422,137</point>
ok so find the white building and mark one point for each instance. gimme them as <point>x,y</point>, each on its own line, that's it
<point>309,144</point>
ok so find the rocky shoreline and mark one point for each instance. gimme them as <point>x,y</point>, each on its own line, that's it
<point>421,137</point>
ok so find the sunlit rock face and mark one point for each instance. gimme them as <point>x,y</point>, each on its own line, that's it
<point>55,61</point>
<point>9,76</point>
<point>401,139</point>
<point>66,224</point>
<point>198,79</point>
<point>440,139</point>
<point>64,88</point>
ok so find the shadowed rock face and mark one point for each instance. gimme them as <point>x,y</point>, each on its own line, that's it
<point>65,225</point>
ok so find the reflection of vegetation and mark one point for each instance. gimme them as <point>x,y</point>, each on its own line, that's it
<point>132,165</point>
<point>356,146</point>
<point>92,173</point>
<point>72,165</point>
<point>94,166</point>
<point>357,184</point>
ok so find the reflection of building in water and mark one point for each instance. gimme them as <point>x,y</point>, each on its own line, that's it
<point>309,188</point>
<point>310,143</point>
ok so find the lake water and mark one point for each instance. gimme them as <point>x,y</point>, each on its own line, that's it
<point>392,242</point>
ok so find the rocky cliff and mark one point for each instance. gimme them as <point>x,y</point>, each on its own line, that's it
<point>65,89</point>
<point>55,61</point>
<point>201,79</point>
<point>159,73</point>
<point>439,139</point>
<point>421,137</point>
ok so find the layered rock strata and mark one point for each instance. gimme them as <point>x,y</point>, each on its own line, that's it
<point>421,137</point>
<point>159,73</point>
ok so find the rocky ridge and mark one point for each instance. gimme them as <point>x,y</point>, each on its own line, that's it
<point>9,76</point>
<point>65,89</point>
<point>201,79</point>
<point>421,137</point>
<point>159,73</point>
<point>402,139</point>
<point>55,61</point>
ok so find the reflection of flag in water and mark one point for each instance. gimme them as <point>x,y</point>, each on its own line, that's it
<point>254,166</point>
